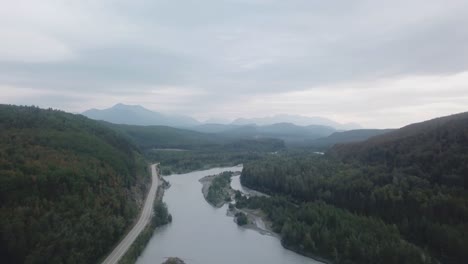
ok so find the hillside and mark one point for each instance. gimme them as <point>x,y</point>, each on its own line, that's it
<point>213,128</point>
<point>180,150</point>
<point>167,137</point>
<point>414,178</point>
<point>138,115</point>
<point>69,186</point>
<point>347,137</point>
<point>435,150</point>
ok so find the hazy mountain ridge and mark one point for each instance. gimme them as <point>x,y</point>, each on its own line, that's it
<point>213,128</point>
<point>290,133</point>
<point>138,115</point>
<point>297,120</point>
<point>349,136</point>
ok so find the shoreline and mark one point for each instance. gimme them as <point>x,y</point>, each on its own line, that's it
<point>254,217</point>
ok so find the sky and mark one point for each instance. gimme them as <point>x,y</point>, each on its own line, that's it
<point>377,63</point>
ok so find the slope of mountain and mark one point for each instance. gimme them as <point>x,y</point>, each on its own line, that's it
<point>138,115</point>
<point>167,137</point>
<point>296,120</point>
<point>69,186</point>
<point>434,149</point>
<point>163,137</point>
<point>348,137</point>
<point>290,133</point>
<point>213,128</point>
<point>180,150</point>
<point>414,179</point>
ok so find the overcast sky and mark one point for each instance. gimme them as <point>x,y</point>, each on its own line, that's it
<point>377,63</point>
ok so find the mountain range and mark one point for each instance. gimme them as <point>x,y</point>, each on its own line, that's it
<point>297,120</point>
<point>138,115</point>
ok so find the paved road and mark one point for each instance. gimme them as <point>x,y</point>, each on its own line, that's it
<point>145,217</point>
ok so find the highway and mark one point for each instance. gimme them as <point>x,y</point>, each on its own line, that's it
<point>144,219</point>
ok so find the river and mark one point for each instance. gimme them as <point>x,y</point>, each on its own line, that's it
<point>202,234</point>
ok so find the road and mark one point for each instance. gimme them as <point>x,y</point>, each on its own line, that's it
<point>144,219</point>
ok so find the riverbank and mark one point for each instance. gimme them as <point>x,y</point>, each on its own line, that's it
<point>143,238</point>
<point>259,222</point>
<point>256,220</point>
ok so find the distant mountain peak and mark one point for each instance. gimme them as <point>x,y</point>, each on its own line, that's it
<point>138,115</point>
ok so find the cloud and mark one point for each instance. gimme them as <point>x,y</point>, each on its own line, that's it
<point>236,55</point>
<point>380,103</point>
<point>31,47</point>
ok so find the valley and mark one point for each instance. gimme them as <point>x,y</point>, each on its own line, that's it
<point>363,196</point>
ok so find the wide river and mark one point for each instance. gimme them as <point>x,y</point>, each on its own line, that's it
<point>202,234</point>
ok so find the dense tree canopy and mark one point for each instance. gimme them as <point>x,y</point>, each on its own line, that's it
<point>68,186</point>
<point>320,230</point>
<point>414,178</point>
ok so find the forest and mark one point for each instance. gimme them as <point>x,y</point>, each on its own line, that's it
<point>180,150</point>
<point>328,233</point>
<point>413,179</point>
<point>69,186</point>
<point>227,154</point>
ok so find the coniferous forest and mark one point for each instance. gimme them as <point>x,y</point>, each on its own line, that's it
<point>69,186</point>
<point>410,184</point>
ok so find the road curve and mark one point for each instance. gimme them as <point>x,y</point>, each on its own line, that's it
<point>144,219</point>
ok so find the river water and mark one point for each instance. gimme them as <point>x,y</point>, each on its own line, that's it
<point>202,234</point>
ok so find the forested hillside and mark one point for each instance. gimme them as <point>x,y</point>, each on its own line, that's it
<point>154,137</point>
<point>181,150</point>
<point>435,150</point>
<point>68,186</point>
<point>346,137</point>
<point>414,178</point>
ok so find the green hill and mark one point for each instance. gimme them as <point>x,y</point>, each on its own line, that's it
<point>436,150</point>
<point>413,179</point>
<point>69,186</point>
<point>349,136</point>
<point>181,150</point>
<point>166,137</point>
